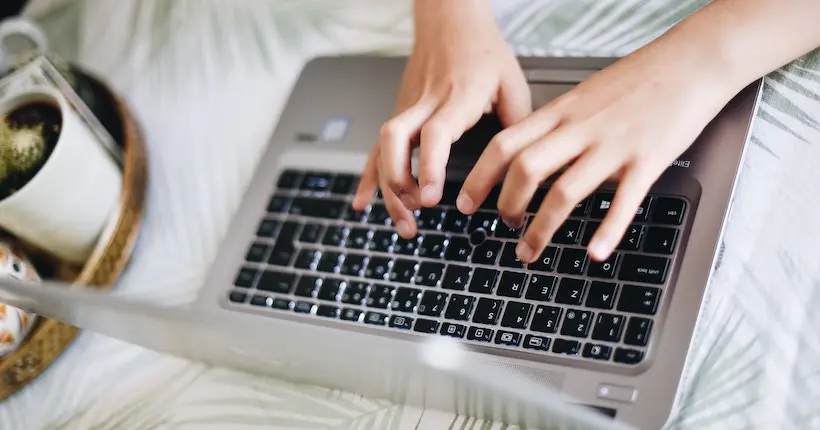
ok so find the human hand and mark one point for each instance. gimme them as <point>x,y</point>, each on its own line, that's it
<point>460,68</point>
<point>628,123</point>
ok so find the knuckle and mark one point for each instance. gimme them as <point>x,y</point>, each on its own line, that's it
<point>502,145</point>
<point>564,194</point>
<point>391,129</point>
<point>433,129</point>
<point>526,168</point>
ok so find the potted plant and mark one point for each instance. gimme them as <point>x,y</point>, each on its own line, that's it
<point>28,135</point>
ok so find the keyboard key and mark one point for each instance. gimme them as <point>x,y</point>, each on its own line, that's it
<point>307,286</point>
<point>639,300</point>
<point>596,352</point>
<point>375,318</point>
<point>311,233</point>
<point>344,184</point>
<point>334,236</point>
<point>317,207</point>
<point>570,291</point>
<point>279,204</point>
<point>604,269</point>
<point>276,282</point>
<point>377,268</point>
<point>355,293</point>
<point>429,274</point>
<point>580,208</point>
<point>459,307</point>
<point>406,246</point>
<point>238,296</point>
<point>350,314</point>
<point>566,347</point>
<point>536,200</point>
<point>572,261</point>
<point>380,296</point>
<point>632,238</point>
<point>329,290</point>
<point>268,228</point>
<point>600,205</point>
<point>401,321</point>
<point>452,330</point>
<point>545,319</point>
<point>576,323</point>
<point>660,240</point>
<point>329,262</point>
<point>406,299</point>
<point>245,277</point>
<point>432,246</point>
<point>454,222</point>
<point>487,253</point>
<point>483,220</point>
<point>509,257</point>
<point>516,315</point>
<point>423,325</point>
<point>483,281</point>
<point>429,218</point>
<point>487,311</point>
<point>256,253</point>
<point>289,179</point>
<point>281,304</point>
<point>504,231</point>
<point>628,356</point>
<point>455,278</point>
<point>545,262</point>
<point>540,287</point>
<point>327,311</point>
<point>357,238</point>
<point>568,233</point>
<point>642,213</point>
<point>480,334</point>
<point>303,307</point>
<point>261,301</point>
<point>668,210</point>
<point>316,181</point>
<point>601,295</point>
<point>643,269</point>
<point>608,327</point>
<point>458,249</point>
<point>432,303</point>
<point>353,265</point>
<point>355,216</point>
<point>538,343</point>
<point>511,284</point>
<point>491,201</point>
<point>507,338</point>
<point>589,231</point>
<point>378,215</point>
<point>638,331</point>
<point>403,270</point>
<point>382,241</point>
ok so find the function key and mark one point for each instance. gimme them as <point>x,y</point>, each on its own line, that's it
<point>660,240</point>
<point>261,301</point>
<point>639,300</point>
<point>375,318</point>
<point>452,330</point>
<point>668,210</point>
<point>572,261</point>
<point>638,331</point>
<point>256,252</point>
<point>350,314</point>
<point>596,352</point>
<point>244,279</point>
<point>327,311</point>
<point>643,269</point>
<point>507,338</point>
<point>423,325</point>
<point>303,307</point>
<point>628,356</point>
<point>538,343</point>
<point>642,213</point>
<point>480,334</point>
<point>600,205</point>
<point>568,233</point>
<point>566,347</point>
<point>401,321</point>
<point>268,228</point>
<point>454,222</point>
<point>289,179</point>
<point>316,181</point>
<point>238,296</point>
<point>344,184</point>
<point>279,204</point>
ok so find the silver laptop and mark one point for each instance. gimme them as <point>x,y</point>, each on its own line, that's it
<point>315,291</point>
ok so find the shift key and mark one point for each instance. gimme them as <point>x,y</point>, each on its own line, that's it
<point>644,269</point>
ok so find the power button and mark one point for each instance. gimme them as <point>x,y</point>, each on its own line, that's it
<point>617,393</point>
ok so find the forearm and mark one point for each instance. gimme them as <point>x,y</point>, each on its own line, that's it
<point>742,40</point>
<point>434,16</point>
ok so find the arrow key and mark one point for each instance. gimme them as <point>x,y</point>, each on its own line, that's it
<point>660,240</point>
<point>631,239</point>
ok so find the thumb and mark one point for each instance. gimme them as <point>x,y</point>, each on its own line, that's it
<point>514,101</point>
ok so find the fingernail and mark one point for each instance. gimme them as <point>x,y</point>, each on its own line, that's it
<point>408,201</point>
<point>524,252</point>
<point>403,227</point>
<point>465,203</point>
<point>429,194</point>
<point>597,249</point>
<point>512,224</point>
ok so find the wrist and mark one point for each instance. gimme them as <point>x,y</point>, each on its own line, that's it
<point>445,14</point>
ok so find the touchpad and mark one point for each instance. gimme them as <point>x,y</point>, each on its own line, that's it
<point>544,93</point>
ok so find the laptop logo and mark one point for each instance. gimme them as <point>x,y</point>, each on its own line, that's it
<point>335,129</point>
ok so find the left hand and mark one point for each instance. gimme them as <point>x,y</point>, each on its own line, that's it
<point>628,122</point>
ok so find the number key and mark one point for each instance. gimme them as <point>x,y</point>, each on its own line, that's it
<point>459,307</point>
<point>545,319</point>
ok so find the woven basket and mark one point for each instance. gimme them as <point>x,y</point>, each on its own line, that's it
<point>49,338</point>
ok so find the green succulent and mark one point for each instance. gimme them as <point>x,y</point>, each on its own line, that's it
<point>21,149</point>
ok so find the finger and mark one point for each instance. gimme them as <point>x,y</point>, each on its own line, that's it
<point>368,182</point>
<point>395,149</point>
<point>401,216</point>
<point>514,98</point>
<point>635,184</point>
<point>498,155</point>
<point>532,166</point>
<point>575,184</point>
<point>461,112</point>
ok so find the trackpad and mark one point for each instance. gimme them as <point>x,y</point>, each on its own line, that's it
<point>544,93</point>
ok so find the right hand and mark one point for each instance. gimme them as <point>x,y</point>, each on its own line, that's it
<point>460,68</point>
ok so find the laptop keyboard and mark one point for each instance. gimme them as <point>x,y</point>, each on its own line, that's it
<point>316,256</point>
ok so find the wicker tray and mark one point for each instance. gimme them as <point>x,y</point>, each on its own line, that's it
<point>49,338</point>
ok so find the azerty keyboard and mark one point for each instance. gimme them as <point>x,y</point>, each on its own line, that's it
<point>316,256</point>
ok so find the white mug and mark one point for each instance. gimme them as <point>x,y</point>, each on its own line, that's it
<point>65,207</point>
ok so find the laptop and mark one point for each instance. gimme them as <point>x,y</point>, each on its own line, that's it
<point>307,288</point>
